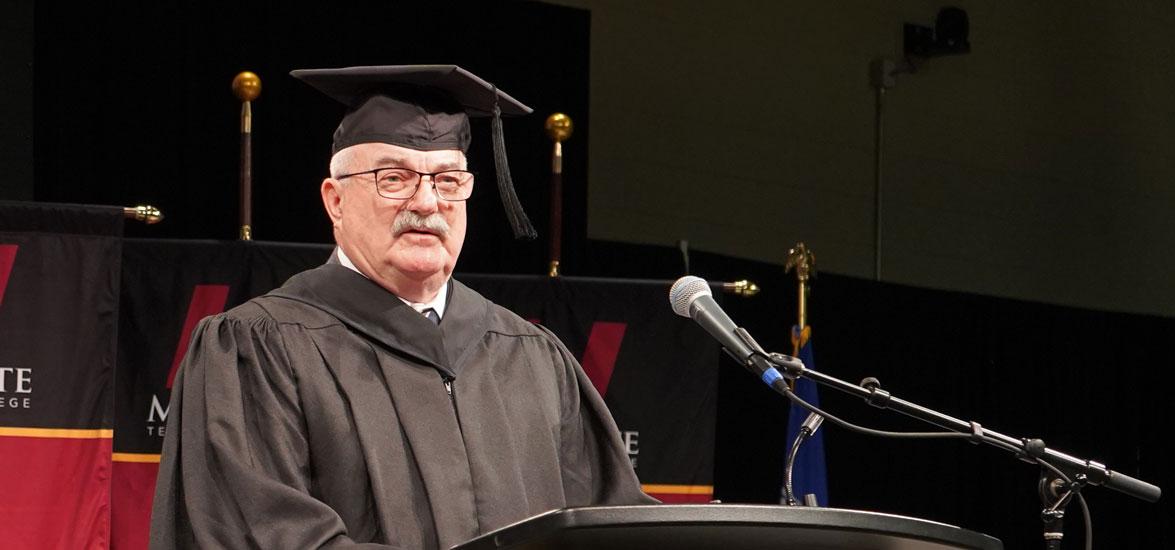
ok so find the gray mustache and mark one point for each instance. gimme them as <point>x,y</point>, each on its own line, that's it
<point>408,220</point>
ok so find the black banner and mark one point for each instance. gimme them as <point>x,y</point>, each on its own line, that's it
<point>59,286</point>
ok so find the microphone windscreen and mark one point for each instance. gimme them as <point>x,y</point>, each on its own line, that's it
<point>685,290</point>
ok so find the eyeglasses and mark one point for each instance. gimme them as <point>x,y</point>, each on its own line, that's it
<point>402,183</point>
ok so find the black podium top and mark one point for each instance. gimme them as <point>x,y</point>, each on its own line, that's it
<point>728,527</point>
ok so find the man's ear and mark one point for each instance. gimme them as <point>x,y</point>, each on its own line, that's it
<point>332,200</point>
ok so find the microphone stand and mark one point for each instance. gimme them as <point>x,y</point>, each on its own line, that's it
<point>1028,450</point>
<point>1082,471</point>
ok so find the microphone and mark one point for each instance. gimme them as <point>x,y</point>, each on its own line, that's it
<point>691,297</point>
<point>809,427</point>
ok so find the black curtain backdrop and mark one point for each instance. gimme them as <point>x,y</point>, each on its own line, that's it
<point>133,105</point>
<point>16,101</point>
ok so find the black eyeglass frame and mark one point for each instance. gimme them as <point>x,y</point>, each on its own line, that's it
<point>419,180</point>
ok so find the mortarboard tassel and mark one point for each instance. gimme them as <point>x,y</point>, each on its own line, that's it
<point>514,212</point>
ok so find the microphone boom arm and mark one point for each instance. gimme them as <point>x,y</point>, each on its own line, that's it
<point>1029,450</point>
<point>691,297</point>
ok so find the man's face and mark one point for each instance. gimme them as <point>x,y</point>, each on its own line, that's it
<point>417,247</point>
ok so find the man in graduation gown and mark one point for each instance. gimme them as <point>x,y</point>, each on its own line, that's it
<point>375,401</point>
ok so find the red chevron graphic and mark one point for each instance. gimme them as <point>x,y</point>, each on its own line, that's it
<point>599,357</point>
<point>7,259</point>
<point>206,300</point>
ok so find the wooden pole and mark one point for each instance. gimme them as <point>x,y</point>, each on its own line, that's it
<point>558,128</point>
<point>246,86</point>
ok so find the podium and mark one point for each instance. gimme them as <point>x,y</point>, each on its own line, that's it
<point>726,527</point>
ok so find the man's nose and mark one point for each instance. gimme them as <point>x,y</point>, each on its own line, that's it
<point>425,199</point>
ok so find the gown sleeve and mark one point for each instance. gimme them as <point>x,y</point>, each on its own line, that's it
<point>235,470</point>
<point>596,470</point>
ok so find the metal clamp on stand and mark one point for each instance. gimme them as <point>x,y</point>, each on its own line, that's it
<point>1053,514</point>
<point>877,397</point>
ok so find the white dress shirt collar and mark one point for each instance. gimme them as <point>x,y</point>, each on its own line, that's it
<point>437,304</point>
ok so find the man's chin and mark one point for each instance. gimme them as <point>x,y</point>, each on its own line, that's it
<point>421,264</point>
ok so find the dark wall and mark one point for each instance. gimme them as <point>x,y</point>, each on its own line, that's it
<point>1001,169</point>
<point>134,105</point>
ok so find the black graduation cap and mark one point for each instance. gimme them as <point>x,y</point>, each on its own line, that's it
<point>422,107</point>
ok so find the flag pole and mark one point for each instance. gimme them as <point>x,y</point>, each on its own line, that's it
<point>813,479</point>
<point>803,261</point>
<point>558,127</point>
<point>246,86</point>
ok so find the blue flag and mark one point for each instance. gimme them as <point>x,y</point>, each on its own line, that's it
<point>809,474</point>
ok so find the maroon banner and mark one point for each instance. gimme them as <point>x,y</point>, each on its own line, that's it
<point>56,489</point>
<point>132,491</point>
<point>59,287</point>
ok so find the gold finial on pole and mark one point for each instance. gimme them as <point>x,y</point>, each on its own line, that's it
<point>804,262</point>
<point>246,86</point>
<point>558,127</point>
<point>144,213</point>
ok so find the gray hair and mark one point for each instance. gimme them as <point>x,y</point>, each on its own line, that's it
<point>340,163</point>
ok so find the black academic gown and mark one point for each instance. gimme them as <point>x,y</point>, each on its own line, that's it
<point>319,415</point>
